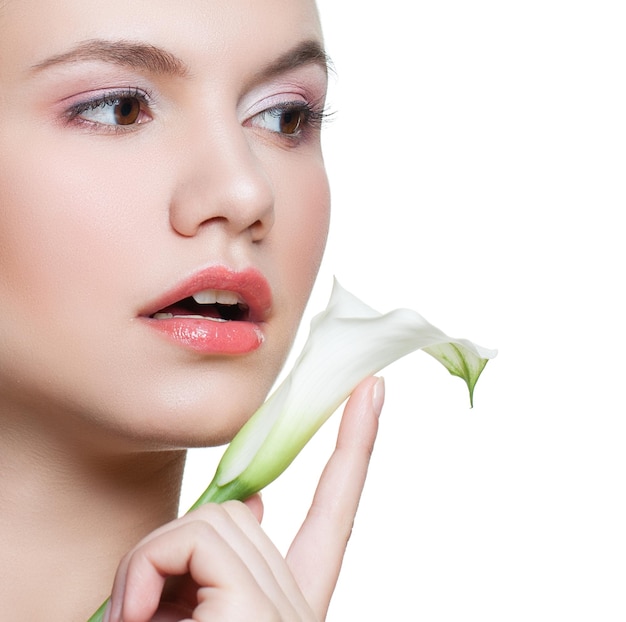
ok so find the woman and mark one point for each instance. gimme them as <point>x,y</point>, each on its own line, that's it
<point>164,207</point>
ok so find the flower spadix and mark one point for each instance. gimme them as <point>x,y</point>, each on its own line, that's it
<point>347,342</point>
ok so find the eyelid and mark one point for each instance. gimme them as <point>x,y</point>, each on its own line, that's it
<point>277,101</point>
<point>314,116</point>
<point>286,101</point>
<point>94,99</point>
<point>307,84</point>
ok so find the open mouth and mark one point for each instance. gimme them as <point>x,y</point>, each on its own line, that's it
<point>209,304</point>
<point>214,311</point>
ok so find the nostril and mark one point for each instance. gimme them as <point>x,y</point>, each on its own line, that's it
<point>228,188</point>
<point>260,228</point>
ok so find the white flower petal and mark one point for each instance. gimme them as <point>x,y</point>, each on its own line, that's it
<point>348,342</point>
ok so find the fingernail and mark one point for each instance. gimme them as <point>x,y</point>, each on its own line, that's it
<point>378,396</point>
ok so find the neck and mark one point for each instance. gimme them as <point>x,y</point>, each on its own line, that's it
<point>67,519</point>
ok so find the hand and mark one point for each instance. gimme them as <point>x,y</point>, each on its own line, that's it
<point>216,563</point>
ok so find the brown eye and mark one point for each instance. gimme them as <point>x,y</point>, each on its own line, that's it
<point>286,119</point>
<point>290,121</point>
<point>127,110</point>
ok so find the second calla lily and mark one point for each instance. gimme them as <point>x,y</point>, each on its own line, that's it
<point>348,342</point>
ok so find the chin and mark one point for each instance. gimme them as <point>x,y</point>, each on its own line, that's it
<point>185,418</point>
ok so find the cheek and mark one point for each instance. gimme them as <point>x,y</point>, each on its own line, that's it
<point>65,259</point>
<point>68,217</point>
<point>301,229</point>
<point>34,236</point>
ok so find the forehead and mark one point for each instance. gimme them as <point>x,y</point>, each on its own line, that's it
<point>213,32</point>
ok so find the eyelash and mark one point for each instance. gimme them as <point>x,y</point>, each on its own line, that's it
<point>73,114</point>
<point>312,116</point>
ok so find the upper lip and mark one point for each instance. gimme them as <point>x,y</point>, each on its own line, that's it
<point>249,285</point>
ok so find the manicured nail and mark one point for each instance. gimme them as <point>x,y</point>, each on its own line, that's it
<point>378,396</point>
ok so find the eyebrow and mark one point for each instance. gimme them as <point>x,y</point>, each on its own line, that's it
<point>146,57</point>
<point>305,53</point>
<point>125,53</point>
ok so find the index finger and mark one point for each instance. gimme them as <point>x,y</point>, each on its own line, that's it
<point>317,552</point>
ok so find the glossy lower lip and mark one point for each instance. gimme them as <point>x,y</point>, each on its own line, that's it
<point>210,336</point>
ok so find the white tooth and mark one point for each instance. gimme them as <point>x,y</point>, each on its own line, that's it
<point>169,316</point>
<point>211,296</point>
<point>201,317</point>
<point>206,297</point>
<point>227,298</point>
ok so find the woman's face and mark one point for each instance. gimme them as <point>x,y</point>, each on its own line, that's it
<point>152,152</point>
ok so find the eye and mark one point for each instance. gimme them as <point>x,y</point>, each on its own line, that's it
<point>112,109</point>
<point>126,110</point>
<point>290,119</point>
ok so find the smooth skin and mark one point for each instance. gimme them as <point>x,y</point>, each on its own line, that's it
<point>104,212</point>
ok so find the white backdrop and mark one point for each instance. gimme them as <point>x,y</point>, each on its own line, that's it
<point>477,166</point>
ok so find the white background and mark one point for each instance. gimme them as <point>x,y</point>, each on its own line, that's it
<point>477,164</point>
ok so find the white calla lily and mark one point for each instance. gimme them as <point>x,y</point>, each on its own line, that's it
<point>348,342</point>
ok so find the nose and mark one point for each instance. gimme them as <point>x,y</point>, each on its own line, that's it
<point>222,181</point>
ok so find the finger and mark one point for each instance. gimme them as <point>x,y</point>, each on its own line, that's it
<point>261,557</point>
<point>204,513</point>
<point>255,505</point>
<point>282,585</point>
<point>248,583</point>
<point>317,552</point>
<point>194,548</point>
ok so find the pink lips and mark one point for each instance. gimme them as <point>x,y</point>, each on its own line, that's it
<point>212,334</point>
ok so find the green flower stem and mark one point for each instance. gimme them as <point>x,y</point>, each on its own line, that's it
<point>98,616</point>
